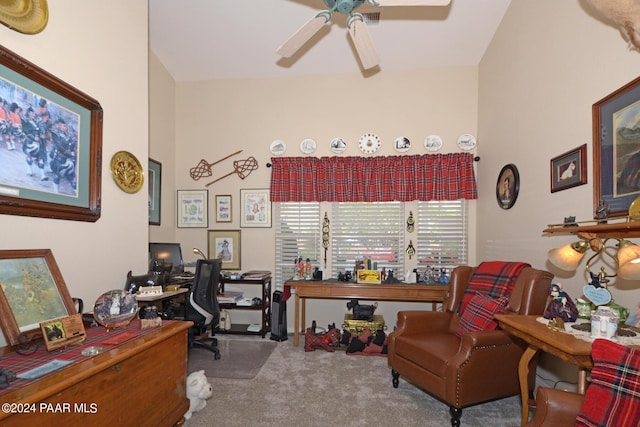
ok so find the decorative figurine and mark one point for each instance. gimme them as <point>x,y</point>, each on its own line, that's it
<point>602,212</point>
<point>561,305</point>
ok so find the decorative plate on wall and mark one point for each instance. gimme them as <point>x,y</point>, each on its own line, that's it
<point>308,146</point>
<point>508,186</point>
<point>338,145</point>
<point>466,142</point>
<point>369,143</point>
<point>433,143</point>
<point>278,147</point>
<point>402,144</point>
<point>127,172</point>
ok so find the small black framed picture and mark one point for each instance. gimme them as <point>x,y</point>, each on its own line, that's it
<point>508,186</point>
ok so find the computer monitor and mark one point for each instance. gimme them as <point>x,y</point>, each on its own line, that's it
<point>168,252</point>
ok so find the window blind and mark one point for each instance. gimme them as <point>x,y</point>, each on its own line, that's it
<point>298,234</point>
<point>372,230</point>
<point>442,228</point>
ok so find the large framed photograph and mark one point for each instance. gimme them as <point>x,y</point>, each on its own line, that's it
<point>193,210</point>
<point>616,149</point>
<point>32,291</point>
<point>225,244</point>
<point>223,208</point>
<point>52,131</point>
<point>508,186</point>
<point>255,208</point>
<point>569,169</point>
<point>155,191</point>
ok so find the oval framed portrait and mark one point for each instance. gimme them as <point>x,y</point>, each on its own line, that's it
<point>508,186</point>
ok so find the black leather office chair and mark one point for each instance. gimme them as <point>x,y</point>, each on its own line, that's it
<point>202,304</point>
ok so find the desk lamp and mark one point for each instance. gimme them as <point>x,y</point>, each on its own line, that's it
<point>199,252</point>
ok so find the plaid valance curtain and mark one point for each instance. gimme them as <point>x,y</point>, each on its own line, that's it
<point>373,179</point>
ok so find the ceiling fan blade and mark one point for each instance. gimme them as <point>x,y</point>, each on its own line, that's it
<point>413,2</point>
<point>364,44</point>
<point>303,35</point>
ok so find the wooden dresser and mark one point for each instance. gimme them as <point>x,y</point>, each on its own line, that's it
<point>141,382</point>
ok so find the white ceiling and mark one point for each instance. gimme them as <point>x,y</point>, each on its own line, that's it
<point>226,39</point>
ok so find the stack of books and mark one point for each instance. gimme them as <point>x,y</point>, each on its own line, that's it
<point>229,297</point>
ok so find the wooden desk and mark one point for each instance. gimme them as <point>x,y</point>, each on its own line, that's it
<point>120,387</point>
<point>540,337</point>
<point>329,289</point>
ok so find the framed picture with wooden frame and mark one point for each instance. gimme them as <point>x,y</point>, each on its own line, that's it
<point>223,208</point>
<point>32,291</point>
<point>616,149</point>
<point>64,174</point>
<point>225,244</point>
<point>193,208</point>
<point>155,191</point>
<point>569,169</point>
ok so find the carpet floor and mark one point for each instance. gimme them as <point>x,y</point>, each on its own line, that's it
<point>295,387</point>
<point>240,359</point>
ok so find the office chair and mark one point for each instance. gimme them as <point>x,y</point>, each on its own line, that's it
<point>202,304</point>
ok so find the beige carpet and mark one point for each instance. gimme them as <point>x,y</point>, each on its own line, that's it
<point>320,388</point>
<point>240,359</point>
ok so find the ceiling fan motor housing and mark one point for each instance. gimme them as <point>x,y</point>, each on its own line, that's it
<point>344,6</point>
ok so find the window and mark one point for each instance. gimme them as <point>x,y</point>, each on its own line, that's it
<point>372,230</point>
<point>298,234</point>
<point>375,230</point>
<point>442,234</point>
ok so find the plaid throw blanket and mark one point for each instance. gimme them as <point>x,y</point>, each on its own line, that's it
<point>493,279</point>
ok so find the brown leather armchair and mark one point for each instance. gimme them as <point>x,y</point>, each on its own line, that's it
<point>556,408</point>
<point>474,368</point>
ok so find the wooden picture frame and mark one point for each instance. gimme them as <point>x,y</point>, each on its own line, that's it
<point>155,191</point>
<point>255,208</point>
<point>508,186</point>
<point>569,169</point>
<point>32,291</point>
<point>224,211</point>
<point>65,172</point>
<point>225,244</point>
<point>616,157</point>
<point>193,208</point>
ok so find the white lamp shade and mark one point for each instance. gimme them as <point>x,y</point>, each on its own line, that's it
<point>568,256</point>
<point>629,261</point>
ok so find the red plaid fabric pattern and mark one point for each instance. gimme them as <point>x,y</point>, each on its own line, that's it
<point>613,398</point>
<point>97,336</point>
<point>479,315</point>
<point>493,279</point>
<point>373,179</point>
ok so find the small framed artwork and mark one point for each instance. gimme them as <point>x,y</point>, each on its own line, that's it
<point>569,169</point>
<point>193,209</point>
<point>155,190</point>
<point>32,292</point>
<point>508,186</point>
<point>223,208</point>
<point>616,149</point>
<point>225,244</point>
<point>255,206</point>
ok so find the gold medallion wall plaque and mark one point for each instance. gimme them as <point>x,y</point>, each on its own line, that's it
<point>127,172</point>
<point>24,16</point>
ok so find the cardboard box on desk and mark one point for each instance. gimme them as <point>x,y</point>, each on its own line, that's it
<point>368,276</point>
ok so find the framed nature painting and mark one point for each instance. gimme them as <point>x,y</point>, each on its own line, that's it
<point>616,149</point>
<point>32,291</point>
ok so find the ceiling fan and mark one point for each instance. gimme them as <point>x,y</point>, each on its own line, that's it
<point>355,23</point>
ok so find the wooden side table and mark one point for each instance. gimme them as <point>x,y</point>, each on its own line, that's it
<point>540,337</point>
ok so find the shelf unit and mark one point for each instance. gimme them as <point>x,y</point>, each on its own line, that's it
<point>264,309</point>
<point>616,229</point>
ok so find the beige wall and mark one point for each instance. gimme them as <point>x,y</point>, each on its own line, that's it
<point>548,63</point>
<point>100,48</point>
<point>217,118</point>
